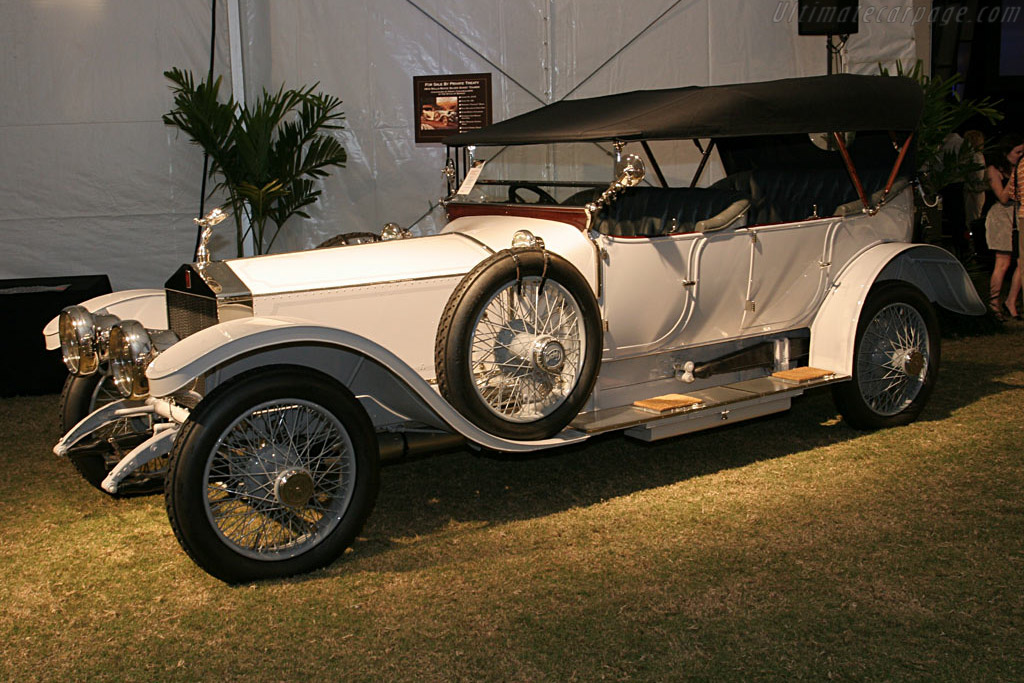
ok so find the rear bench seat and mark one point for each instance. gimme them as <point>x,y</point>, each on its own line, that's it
<point>654,211</point>
<point>782,196</point>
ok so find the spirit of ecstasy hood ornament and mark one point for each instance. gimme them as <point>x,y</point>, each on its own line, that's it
<point>206,223</point>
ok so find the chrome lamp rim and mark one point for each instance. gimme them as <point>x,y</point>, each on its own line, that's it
<point>131,350</point>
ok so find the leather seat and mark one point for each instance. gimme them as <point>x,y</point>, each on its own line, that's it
<point>655,211</point>
<point>783,196</point>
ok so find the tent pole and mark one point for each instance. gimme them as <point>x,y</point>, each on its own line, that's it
<point>206,155</point>
<point>238,93</point>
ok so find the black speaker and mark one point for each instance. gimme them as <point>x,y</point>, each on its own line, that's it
<point>827,17</point>
<point>26,305</point>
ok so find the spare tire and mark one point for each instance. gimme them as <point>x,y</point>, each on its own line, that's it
<point>519,344</point>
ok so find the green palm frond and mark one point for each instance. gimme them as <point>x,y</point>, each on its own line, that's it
<point>267,156</point>
<point>944,112</point>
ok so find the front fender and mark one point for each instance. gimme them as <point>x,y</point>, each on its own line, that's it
<point>215,346</point>
<point>148,306</point>
<point>567,241</point>
<point>934,271</point>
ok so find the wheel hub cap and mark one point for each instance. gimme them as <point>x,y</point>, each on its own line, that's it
<point>527,349</point>
<point>913,363</point>
<point>548,355</point>
<point>293,488</point>
<point>543,352</point>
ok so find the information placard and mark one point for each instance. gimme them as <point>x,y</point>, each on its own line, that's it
<point>445,105</point>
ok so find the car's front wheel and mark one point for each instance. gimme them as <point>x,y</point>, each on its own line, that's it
<point>896,359</point>
<point>273,474</point>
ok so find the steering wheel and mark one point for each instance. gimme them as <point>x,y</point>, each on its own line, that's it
<point>542,197</point>
<point>583,196</point>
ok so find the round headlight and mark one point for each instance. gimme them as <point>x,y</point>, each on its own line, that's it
<point>78,345</point>
<point>131,350</point>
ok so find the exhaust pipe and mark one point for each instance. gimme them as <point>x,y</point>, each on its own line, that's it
<point>398,446</point>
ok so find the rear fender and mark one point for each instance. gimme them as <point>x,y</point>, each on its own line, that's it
<point>148,306</point>
<point>387,387</point>
<point>934,271</point>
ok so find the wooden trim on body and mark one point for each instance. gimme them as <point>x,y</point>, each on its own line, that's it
<point>575,216</point>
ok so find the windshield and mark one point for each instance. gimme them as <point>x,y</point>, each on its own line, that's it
<point>573,174</point>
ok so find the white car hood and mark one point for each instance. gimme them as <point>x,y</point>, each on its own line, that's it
<point>359,264</point>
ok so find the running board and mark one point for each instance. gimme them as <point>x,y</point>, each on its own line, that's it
<point>718,405</point>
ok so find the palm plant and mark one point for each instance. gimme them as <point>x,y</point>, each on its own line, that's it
<point>943,113</point>
<point>268,157</point>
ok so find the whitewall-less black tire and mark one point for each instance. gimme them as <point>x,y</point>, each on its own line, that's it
<point>273,474</point>
<point>895,359</point>
<point>519,344</point>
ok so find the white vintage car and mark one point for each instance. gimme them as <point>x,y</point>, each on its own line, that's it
<point>266,391</point>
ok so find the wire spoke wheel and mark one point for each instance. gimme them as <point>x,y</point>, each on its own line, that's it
<point>105,392</point>
<point>273,474</point>
<point>519,344</point>
<point>896,358</point>
<point>893,358</point>
<point>279,479</point>
<point>527,350</point>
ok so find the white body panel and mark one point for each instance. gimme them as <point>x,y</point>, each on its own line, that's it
<point>678,291</point>
<point>650,298</point>
<point>565,240</point>
<point>399,316</point>
<point>311,272</point>
<point>393,293</point>
<point>693,297</point>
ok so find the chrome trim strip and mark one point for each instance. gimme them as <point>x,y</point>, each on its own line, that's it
<point>474,240</point>
<point>375,283</point>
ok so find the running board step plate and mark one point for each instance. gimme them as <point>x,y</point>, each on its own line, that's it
<point>716,406</point>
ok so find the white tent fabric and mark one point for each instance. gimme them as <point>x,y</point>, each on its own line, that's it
<point>93,182</point>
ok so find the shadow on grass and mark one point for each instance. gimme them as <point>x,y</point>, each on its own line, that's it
<point>424,497</point>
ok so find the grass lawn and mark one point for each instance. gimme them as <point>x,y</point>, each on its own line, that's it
<point>791,547</point>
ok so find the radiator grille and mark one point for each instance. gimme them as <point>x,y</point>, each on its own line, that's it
<point>188,313</point>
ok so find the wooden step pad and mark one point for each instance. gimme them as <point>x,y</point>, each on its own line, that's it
<point>667,403</point>
<point>803,375</point>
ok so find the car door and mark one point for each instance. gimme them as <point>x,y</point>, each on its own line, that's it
<point>789,270</point>
<point>647,290</point>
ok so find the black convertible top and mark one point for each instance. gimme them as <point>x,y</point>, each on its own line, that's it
<point>842,102</point>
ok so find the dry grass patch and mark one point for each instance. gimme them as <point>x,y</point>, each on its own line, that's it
<point>788,548</point>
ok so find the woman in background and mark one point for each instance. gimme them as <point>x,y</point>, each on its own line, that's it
<point>974,195</point>
<point>999,224</point>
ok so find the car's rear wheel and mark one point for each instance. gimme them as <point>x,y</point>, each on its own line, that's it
<point>519,344</point>
<point>273,474</point>
<point>97,455</point>
<point>896,359</point>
